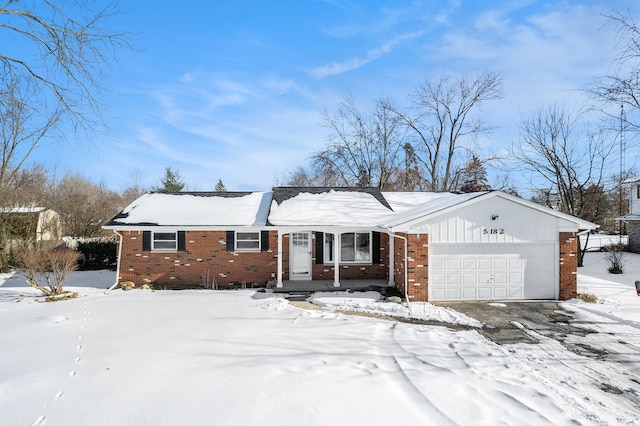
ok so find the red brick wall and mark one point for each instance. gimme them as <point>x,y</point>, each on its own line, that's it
<point>568,265</point>
<point>398,263</point>
<point>205,254</point>
<point>418,267</point>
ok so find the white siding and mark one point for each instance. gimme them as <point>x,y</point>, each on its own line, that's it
<point>474,224</point>
<point>634,207</point>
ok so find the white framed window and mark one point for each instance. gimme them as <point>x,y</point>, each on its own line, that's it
<point>164,241</point>
<point>247,241</point>
<point>355,247</point>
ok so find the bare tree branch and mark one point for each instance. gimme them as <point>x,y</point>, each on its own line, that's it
<point>442,119</point>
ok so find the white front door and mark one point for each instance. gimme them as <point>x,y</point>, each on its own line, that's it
<point>300,256</point>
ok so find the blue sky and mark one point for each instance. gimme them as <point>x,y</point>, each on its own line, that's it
<point>234,90</point>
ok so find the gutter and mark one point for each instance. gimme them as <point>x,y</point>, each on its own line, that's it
<point>118,264</point>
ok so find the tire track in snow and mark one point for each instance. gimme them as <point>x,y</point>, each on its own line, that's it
<point>575,371</point>
<point>73,373</point>
<point>432,414</point>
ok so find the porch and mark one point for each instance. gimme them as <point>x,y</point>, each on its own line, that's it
<point>304,286</point>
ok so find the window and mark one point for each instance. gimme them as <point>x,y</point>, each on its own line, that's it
<point>355,247</point>
<point>164,241</point>
<point>248,241</point>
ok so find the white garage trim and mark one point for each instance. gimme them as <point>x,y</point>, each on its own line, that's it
<point>493,271</point>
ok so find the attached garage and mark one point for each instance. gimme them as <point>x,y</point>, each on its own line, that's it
<point>493,271</point>
<point>490,246</point>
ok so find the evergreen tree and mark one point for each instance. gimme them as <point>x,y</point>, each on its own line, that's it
<point>474,176</point>
<point>171,181</point>
<point>220,186</point>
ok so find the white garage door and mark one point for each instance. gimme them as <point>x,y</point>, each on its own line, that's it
<point>493,271</point>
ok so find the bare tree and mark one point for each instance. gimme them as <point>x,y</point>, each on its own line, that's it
<point>60,52</point>
<point>22,126</point>
<point>364,149</point>
<point>569,162</point>
<point>442,120</point>
<point>622,86</point>
<point>83,206</point>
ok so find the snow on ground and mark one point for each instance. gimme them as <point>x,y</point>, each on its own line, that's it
<point>250,358</point>
<point>371,302</point>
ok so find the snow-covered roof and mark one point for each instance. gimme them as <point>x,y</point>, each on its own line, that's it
<point>437,203</point>
<point>404,201</point>
<point>195,210</point>
<point>30,209</point>
<point>632,180</point>
<point>301,207</point>
<point>330,208</point>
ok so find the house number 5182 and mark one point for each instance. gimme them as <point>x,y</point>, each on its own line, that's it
<point>493,231</point>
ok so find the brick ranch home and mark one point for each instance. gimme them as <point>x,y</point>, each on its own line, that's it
<point>431,246</point>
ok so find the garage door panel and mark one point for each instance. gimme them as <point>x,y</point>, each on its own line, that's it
<point>438,264</point>
<point>499,293</point>
<point>437,293</point>
<point>493,271</point>
<point>485,263</point>
<point>484,293</point>
<point>454,279</point>
<point>499,278</point>
<point>454,264</point>
<point>469,263</point>
<point>469,293</point>
<point>515,293</point>
<point>453,294</point>
<point>437,279</point>
<point>470,279</point>
<point>500,263</point>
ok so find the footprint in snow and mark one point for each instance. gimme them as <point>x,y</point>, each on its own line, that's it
<point>57,320</point>
<point>38,421</point>
<point>59,395</point>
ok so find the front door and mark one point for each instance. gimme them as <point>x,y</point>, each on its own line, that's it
<point>300,256</point>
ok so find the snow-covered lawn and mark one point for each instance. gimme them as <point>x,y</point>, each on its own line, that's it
<point>249,358</point>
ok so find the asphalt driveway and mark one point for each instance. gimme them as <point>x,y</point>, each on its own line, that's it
<point>519,322</point>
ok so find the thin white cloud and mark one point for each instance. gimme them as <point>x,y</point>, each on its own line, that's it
<point>336,68</point>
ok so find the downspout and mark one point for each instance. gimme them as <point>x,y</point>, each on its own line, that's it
<point>118,263</point>
<point>406,266</point>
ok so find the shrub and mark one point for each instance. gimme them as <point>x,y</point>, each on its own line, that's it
<point>50,265</point>
<point>586,297</point>
<point>98,253</point>
<point>615,259</point>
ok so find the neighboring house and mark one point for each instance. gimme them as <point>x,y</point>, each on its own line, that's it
<point>633,218</point>
<point>32,223</point>
<point>431,246</point>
